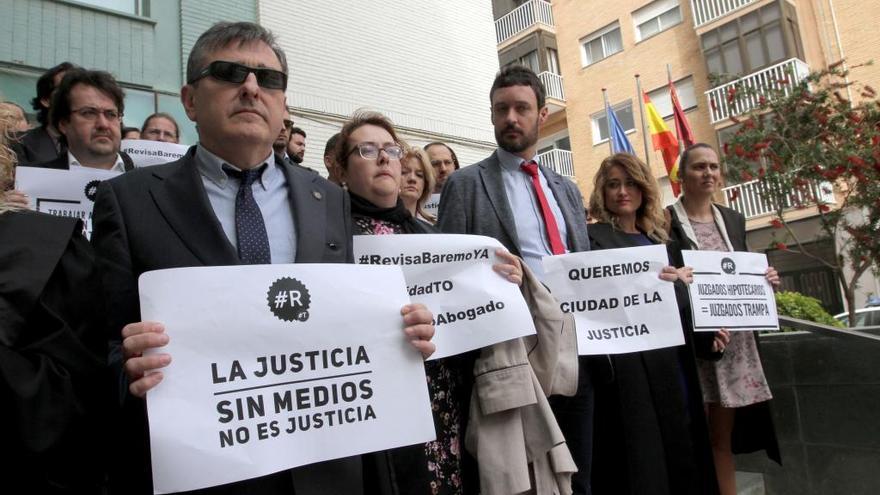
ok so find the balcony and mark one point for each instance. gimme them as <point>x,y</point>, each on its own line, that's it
<point>706,11</point>
<point>746,198</point>
<point>555,92</point>
<point>558,160</point>
<point>534,13</point>
<point>740,96</point>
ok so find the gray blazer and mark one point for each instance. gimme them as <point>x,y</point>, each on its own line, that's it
<point>474,202</point>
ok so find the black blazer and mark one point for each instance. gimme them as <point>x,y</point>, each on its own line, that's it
<point>52,357</point>
<point>160,217</point>
<point>61,162</point>
<point>35,146</point>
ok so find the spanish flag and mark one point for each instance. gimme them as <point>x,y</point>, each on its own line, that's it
<point>664,141</point>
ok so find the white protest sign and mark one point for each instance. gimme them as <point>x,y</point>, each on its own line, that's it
<point>730,291</point>
<point>619,302</point>
<point>64,193</point>
<point>432,205</point>
<point>145,153</point>
<point>452,275</point>
<point>277,366</point>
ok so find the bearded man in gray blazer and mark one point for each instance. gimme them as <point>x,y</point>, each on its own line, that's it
<point>533,212</point>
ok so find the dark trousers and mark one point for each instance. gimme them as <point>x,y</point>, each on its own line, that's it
<point>575,417</point>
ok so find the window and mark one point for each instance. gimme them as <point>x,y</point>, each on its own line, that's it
<point>751,42</point>
<point>686,96</point>
<point>656,17</point>
<point>126,6</point>
<point>529,60</point>
<point>601,44</point>
<point>624,114</point>
<point>563,143</point>
<point>553,60</point>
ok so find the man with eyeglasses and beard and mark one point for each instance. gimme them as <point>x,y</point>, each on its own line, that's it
<point>87,110</point>
<point>534,212</point>
<point>228,188</point>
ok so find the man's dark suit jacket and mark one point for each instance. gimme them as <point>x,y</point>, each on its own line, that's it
<point>474,201</point>
<point>160,217</point>
<point>61,162</point>
<point>34,146</point>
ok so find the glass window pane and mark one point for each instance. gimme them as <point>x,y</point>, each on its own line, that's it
<point>19,88</point>
<point>553,60</point>
<point>732,58</point>
<point>775,43</point>
<point>648,28</point>
<point>625,116</point>
<point>596,53</point>
<point>138,106</point>
<point>770,13</point>
<point>564,143</point>
<point>713,62</point>
<point>600,126</point>
<point>755,50</point>
<point>126,6</point>
<point>530,60</point>
<point>670,17</point>
<point>710,39</point>
<point>613,42</point>
<point>171,104</point>
<point>749,21</point>
<point>728,31</point>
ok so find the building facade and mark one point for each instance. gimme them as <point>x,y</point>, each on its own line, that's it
<point>705,47</point>
<point>428,69</point>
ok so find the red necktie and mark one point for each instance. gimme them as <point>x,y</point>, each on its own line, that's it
<point>556,244</point>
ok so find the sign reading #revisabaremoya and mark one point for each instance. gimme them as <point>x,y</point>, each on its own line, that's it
<point>277,366</point>
<point>452,275</point>
<point>731,291</point>
<point>144,153</point>
<point>619,302</point>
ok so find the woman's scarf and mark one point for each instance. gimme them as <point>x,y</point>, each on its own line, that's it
<point>397,214</point>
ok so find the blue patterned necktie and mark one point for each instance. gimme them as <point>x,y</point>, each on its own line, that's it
<point>250,229</point>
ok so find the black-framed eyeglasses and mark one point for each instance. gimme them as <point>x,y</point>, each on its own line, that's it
<point>370,151</point>
<point>91,113</point>
<point>237,73</point>
<point>288,124</point>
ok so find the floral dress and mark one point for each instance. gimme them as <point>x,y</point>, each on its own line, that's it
<point>737,379</point>
<point>442,457</point>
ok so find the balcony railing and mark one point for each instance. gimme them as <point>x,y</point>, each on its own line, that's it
<point>746,198</point>
<point>533,12</point>
<point>706,11</point>
<point>553,85</point>
<point>558,160</point>
<point>744,94</point>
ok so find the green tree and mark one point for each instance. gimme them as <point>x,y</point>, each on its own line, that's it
<point>802,139</point>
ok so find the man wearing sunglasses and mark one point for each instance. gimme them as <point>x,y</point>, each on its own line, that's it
<point>228,201</point>
<point>87,110</point>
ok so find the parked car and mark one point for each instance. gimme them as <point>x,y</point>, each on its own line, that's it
<point>865,317</point>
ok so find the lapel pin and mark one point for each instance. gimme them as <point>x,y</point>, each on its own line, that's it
<point>317,195</point>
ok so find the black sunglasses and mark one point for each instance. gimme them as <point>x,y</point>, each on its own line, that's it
<point>237,73</point>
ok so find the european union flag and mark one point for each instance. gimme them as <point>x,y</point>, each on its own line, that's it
<point>619,142</point>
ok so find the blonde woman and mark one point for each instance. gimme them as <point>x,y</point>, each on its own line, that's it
<point>52,350</point>
<point>650,433</point>
<point>416,183</point>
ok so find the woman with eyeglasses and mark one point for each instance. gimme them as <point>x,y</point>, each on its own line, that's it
<point>416,183</point>
<point>52,350</point>
<point>650,433</point>
<point>735,389</point>
<point>369,155</point>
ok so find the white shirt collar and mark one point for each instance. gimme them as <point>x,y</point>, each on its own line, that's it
<point>119,166</point>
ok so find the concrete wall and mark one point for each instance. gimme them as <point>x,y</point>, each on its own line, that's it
<point>826,394</point>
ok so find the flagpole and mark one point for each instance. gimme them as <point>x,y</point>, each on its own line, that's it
<point>608,120</point>
<point>642,115</point>
<point>677,134</point>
